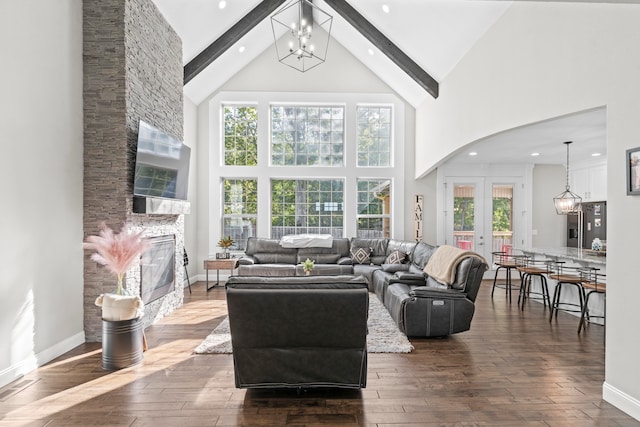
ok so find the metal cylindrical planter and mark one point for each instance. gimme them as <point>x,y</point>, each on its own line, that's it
<point>122,343</point>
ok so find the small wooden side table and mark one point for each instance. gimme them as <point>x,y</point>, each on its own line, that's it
<point>217,265</point>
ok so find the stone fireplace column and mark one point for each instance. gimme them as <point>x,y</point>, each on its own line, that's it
<point>132,71</point>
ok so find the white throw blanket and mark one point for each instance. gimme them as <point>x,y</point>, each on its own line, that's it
<point>307,241</point>
<point>444,261</point>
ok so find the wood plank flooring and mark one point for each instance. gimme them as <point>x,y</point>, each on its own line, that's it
<point>513,368</point>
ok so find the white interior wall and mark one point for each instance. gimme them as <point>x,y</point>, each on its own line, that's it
<point>191,220</point>
<point>542,60</point>
<point>413,187</point>
<point>341,72</point>
<point>428,187</point>
<point>201,211</point>
<point>549,230</point>
<point>41,256</point>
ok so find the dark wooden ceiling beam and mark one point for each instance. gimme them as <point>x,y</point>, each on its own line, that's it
<point>231,36</point>
<point>352,16</point>
<point>385,45</point>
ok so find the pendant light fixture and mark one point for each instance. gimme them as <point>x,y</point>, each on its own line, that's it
<point>567,203</point>
<point>301,32</point>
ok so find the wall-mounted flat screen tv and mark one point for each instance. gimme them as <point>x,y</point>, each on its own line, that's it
<point>162,165</point>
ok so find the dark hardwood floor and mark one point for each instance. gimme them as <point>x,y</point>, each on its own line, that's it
<point>513,368</point>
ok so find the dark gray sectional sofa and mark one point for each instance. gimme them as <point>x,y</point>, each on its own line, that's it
<point>419,305</point>
<point>265,257</point>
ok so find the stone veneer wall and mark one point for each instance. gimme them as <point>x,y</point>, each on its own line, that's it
<point>132,71</point>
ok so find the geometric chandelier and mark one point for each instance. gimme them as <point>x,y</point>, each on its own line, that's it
<point>301,32</point>
<point>567,203</point>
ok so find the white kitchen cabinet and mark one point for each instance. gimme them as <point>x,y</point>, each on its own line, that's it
<point>590,183</point>
<point>598,183</point>
<point>579,179</point>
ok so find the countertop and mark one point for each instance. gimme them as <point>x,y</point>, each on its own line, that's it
<point>582,256</point>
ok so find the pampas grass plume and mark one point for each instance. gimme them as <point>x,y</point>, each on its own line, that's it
<point>116,251</point>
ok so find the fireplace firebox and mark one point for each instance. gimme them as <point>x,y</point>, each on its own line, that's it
<point>157,268</point>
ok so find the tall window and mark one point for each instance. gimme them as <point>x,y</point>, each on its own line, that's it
<point>307,135</point>
<point>374,209</point>
<point>324,164</point>
<point>374,136</point>
<point>240,210</point>
<point>240,135</point>
<point>307,206</point>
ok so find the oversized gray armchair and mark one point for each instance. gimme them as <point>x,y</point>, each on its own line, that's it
<point>298,332</point>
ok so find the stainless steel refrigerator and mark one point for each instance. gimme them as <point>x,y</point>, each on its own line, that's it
<point>594,224</point>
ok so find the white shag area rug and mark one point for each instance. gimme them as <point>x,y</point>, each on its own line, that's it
<point>383,334</point>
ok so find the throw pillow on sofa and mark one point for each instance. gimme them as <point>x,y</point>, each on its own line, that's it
<point>361,255</point>
<point>395,257</point>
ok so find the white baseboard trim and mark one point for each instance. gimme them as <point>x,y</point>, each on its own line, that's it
<point>17,370</point>
<point>621,400</point>
<point>35,361</point>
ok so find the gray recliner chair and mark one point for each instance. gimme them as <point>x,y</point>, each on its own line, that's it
<point>298,332</point>
<point>432,311</point>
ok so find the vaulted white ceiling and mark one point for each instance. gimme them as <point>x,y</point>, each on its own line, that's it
<point>436,34</point>
<point>433,33</point>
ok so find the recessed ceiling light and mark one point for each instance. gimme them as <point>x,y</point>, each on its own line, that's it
<point>473,153</point>
<point>241,49</point>
<point>370,51</point>
<point>385,8</point>
<point>535,154</point>
<point>596,155</point>
<point>222,4</point>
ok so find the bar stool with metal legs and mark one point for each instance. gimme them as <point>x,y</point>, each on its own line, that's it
<point>530,268</point>
<point>507,262</point>
<point>595,285</point>
<point>566,276</point>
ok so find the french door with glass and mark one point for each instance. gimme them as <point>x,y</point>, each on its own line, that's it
<point>480,214</point>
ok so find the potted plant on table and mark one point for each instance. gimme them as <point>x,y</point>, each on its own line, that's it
<point>307,266</point>
<point>225,243</point>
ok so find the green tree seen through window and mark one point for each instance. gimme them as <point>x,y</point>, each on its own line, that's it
<point>240,210</point>
<point>463,213</point>
<point>306,206</point>
<point>464,210</point>
<point>501,214</point>
<point>240,135</point>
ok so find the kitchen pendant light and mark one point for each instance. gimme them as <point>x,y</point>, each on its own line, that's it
<point>567,203</point>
